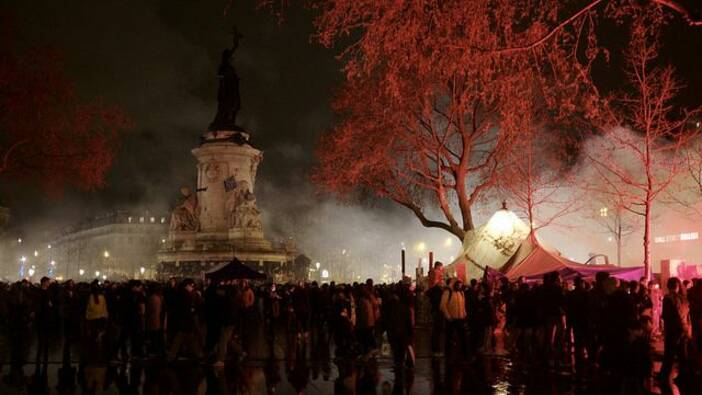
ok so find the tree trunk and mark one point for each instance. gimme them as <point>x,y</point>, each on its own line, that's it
<point>619,240</point>
<point>647,241</point>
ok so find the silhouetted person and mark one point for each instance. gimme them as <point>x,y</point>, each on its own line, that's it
<point>45,321</point>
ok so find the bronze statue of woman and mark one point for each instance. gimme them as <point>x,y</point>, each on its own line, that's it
<point>228,98</point>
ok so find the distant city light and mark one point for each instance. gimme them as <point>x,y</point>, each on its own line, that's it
<point>49,246</point>
<point>106,254</point>
<point>31,272</point>
<point>97,273</point>
<point>317,265</point>
<point>36,253</point>
<point>53,263</point>
<point>142,270</point>
<point>23,259</point>
<point>325,273</point>
<point>104,277</point>
<point>81,272</point>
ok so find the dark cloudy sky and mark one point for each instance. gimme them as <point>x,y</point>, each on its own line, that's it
<point>157,59</point>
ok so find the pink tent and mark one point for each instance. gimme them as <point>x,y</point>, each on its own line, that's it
<point>532,261</point>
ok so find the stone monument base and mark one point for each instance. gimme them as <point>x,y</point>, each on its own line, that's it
<point>191,254</point>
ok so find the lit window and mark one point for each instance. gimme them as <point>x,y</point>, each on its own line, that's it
<point>659,239</point>
<point>141,220</point>
<point>129,220</point>
<point>689,236</point>
<point>163,220</point>
<point>152,220</point>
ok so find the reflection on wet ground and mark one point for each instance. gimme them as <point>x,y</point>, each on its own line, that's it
<point>316,373</point>
<point>490,376</point>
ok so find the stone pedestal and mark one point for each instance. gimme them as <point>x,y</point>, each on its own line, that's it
<point>228,222</point>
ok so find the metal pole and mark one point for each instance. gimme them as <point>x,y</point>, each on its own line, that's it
<point>403,264</point>
<point>431,259</point>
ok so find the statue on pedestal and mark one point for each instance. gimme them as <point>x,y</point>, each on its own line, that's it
<point>186,216</point>
<point>228,98</point>
<point>241,206</point>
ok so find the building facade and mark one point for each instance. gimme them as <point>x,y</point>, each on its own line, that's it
<point>114,246</point>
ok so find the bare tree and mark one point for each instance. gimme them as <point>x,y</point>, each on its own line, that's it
<point>644,133</point>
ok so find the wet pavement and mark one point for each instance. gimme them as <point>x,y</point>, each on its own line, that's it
<point>317,373</point>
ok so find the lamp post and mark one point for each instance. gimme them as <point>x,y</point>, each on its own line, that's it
<point>106,255</point>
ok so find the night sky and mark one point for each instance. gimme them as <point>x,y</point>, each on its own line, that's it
<point>157,59</point>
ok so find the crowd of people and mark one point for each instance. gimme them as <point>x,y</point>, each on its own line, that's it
<point>600,326</point>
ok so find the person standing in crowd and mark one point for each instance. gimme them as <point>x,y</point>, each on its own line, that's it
<point>365,323</point>
<point>133,308</point>
<point>45,321</point>
<point>19,322</point>
<point>398,324</point>
<point>71,317</point>
<point>577,303</point>
<point>96,314</point>
<point>271,315</point>
<point>694,297</point>
<point>434,294</point>
<point>454,308</point>
<point>186,322</point>
<point>154,322</point>
<point>212,309</point>
<point>226,315</point>
<point>676,332</point>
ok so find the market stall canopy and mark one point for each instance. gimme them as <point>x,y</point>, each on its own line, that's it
<point>234,270</point>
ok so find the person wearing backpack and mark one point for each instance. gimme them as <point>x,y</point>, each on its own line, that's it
<point>453,307</point>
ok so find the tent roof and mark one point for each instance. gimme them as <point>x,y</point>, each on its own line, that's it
<point>533,260</point>
<point>492,244</point>
<point>234,270</point>
<point>504,243</point>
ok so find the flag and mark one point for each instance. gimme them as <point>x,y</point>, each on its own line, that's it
<point>229,184</point>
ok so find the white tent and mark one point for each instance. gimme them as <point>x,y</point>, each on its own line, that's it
<point>492,244</point>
